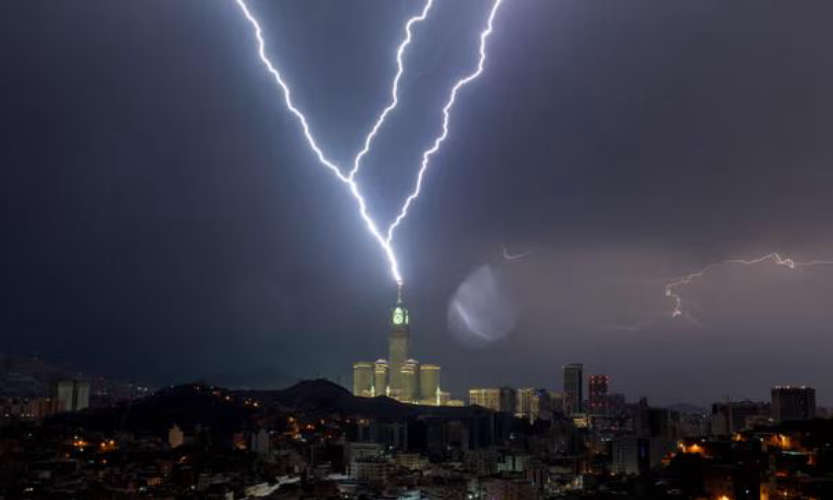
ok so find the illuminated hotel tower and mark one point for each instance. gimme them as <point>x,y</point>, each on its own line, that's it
<point>400,377</point>
<point>399,343</point>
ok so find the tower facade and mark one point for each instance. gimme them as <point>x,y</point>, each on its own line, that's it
<point>410,381</point>
<point>523,402</point>
<point>598,394</point>
<point>400,377</point>
<point>362,378</point>
<point>793,403</point>
<point>497,399</point>
<point>72,395</point>
<point>380,378</point>
<point>573,385</point>
<point>399,345</point>
<point>429,382</point>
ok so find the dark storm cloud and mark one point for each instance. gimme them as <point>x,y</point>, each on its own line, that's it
<point>162,217</point>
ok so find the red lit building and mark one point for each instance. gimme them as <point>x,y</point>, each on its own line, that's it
<point>598,395</point>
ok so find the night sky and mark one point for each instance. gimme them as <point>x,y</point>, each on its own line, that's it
<point>163,219</point>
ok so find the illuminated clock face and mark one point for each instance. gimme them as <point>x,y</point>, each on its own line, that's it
<point>398,316</point>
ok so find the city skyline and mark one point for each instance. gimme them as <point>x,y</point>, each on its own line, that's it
<point>416,249</point>
<point>166,222</point>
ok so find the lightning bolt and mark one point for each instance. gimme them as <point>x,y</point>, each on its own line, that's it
<point>287,95</point>
<point>428,153</point>
<point>384,242</point>
<point>394,91</point>
<point>774,257</point>
<point>334,168</point>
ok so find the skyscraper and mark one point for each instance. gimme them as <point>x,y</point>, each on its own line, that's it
<point>508,399</point>
<point>793,403</point>
<point>597,386</point>
<point>410,381</point>
<point>429,382</point>
<point>573,384</point>
<point>362,378</point>
<point>523,403</point>
<point>485,397</point>
<point>72,395</point>
<point>64,395</point>
<point>380,378</point>
<point>543,405</point>
<point>400,377</point>
<point>734,416</point>
<point>399,344</point>
<point>497,399</point>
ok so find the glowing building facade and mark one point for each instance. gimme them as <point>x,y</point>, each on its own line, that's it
<point>380,378</point>
<point>429,382</point>
<point>399,345</point>
<point>497,399</point>
<point>524,401</point>
<point>400,376</point>
<point>410,381</point>
<point>363,378</point>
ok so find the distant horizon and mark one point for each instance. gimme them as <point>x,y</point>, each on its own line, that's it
<point>345,384</point>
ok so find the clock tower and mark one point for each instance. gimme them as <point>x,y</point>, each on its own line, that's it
<point>399,344</point>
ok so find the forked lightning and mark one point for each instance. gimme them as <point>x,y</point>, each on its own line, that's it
<point>386,242</point>
<point>774,257</point>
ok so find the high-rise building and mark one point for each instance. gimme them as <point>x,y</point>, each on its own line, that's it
<point>542,406</point>
<point>63,395</point>
<point>380,378</point>
<point>485,397</point>
<point>573,384</point>
<point>399,344</point>
<point>597,385</point>
<point>532,404</point>
<point>72,395</point>
<point>630,455</point>
<point>82,395</point>
<point>508,399</point>
<point>497,399</point>
<point>363,378</point>
<point>429,382</point>
<point>524,402</point>
<point>410,380</point>
<point>734,416</point>
<point>400,377</point>
<point>556,400</point>
<point>793,403</point>
<point>616,404</point>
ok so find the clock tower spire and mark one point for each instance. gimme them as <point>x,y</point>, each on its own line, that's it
<point>399,343</point>
<point>399,316</point>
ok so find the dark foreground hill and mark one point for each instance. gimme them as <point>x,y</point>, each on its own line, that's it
<point>225,411</point>
<point>321,396</point>
<point>185,405</point>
